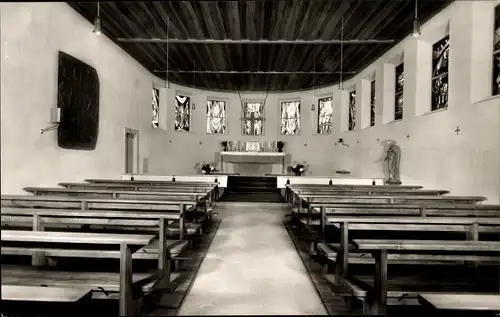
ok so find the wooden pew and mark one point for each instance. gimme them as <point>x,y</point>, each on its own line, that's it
<point>44,294</point>
<point>84,203</point>
<point>124,241</point>
<point>313,198</point>
<point>43,219</point>
<point>461,302</point>
<point>369,192</point>
<point>291,190</point>
<point>381,248</point>
<point>203,199</point>
<point>159,184</point>
<point>167,188</point>
<point>121,194</point>
<point>148,182</point>
<point>346,254</point>
<point>351,186</point>
<point>324,210</point>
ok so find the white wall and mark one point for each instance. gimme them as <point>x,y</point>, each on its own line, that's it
<point>434,156</point>
<point>31,36</point>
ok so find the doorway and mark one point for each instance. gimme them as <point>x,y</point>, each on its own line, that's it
<point>131,151</point>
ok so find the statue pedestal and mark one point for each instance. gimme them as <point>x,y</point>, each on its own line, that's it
<point>392,182</point>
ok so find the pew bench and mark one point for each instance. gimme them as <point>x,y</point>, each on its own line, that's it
<point>119,194</point>
<point>465,302</point>
<point>319,198</point>
<point>44,293</point>
<point>290,190</point>
<point>137,187</point>
<point>424,209</point>
<point>148,182</point>
<point>368,192</point>
<point>82,203</point>
<point>125,242</point>
<point>376,295</point>
<point>42,219</point>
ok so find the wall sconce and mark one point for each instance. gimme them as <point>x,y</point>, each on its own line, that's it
<point>55,118</point>
<point>313,107</point>
<point>193,106</point>
<point>340,141</point>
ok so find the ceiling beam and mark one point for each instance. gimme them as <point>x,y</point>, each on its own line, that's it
<point>247,41</point>
<point>249,72</point>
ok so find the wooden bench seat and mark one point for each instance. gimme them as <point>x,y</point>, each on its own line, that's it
<point>44,294</point>
<point>148,182</point>
<point>477,302</point>
<point>405,290</point>
<point>95,281</point>
<point>117,194</point>
<point>369,192</point>
<point>392,199</point>
<point>356,256</point>
<point>348,186</point>
<point>132,187</point>
<point>380,248</point>
<point>148,252</point>
<point>422,209</point>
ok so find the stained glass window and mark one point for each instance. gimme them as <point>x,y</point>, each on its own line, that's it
<point>398,102</point>
<point>253,118</point>
<point>440,55</point>
<point>216,116</point>
<point>496,53</point>
<point>155,121</point>
<point>352,110</point>
<point>182,113</point>
<point>372,104</point>
<point>325,111</point>
<point>290,117</point>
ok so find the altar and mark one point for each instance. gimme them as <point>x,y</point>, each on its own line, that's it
<point>245,158</point>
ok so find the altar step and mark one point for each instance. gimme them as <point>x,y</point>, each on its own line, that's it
<point>252,189</point>
<point>248,189</point>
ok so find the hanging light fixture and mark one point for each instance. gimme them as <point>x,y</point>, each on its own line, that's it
<point>194,91</point>
<point>97,22</point>
<point>314,79</point>
<point>416,24</point>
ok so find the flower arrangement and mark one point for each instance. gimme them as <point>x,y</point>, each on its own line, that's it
<point>299,169</point>
<point>206,168</point>
<point>224,145</point>
<point>280,145</point>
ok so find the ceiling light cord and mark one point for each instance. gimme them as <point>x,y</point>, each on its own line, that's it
<point>416,24</point>
<point>97,22</point>
<point>341,84</point>
<point>416,9</point>
<point>194,79</point>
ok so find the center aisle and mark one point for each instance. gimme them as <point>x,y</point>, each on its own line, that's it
<point>252,267</point>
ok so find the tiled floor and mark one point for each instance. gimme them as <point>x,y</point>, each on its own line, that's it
<point>252,267</point>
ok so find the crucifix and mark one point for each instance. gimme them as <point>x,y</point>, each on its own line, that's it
<point>408,136</point>
<point>457,130</point>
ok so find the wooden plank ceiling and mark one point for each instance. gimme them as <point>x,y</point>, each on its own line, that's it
<point>256,20</point>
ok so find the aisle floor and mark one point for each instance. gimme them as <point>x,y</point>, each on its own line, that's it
<point>252,267</point>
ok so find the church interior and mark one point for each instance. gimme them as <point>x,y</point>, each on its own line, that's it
<point>250,157</point>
